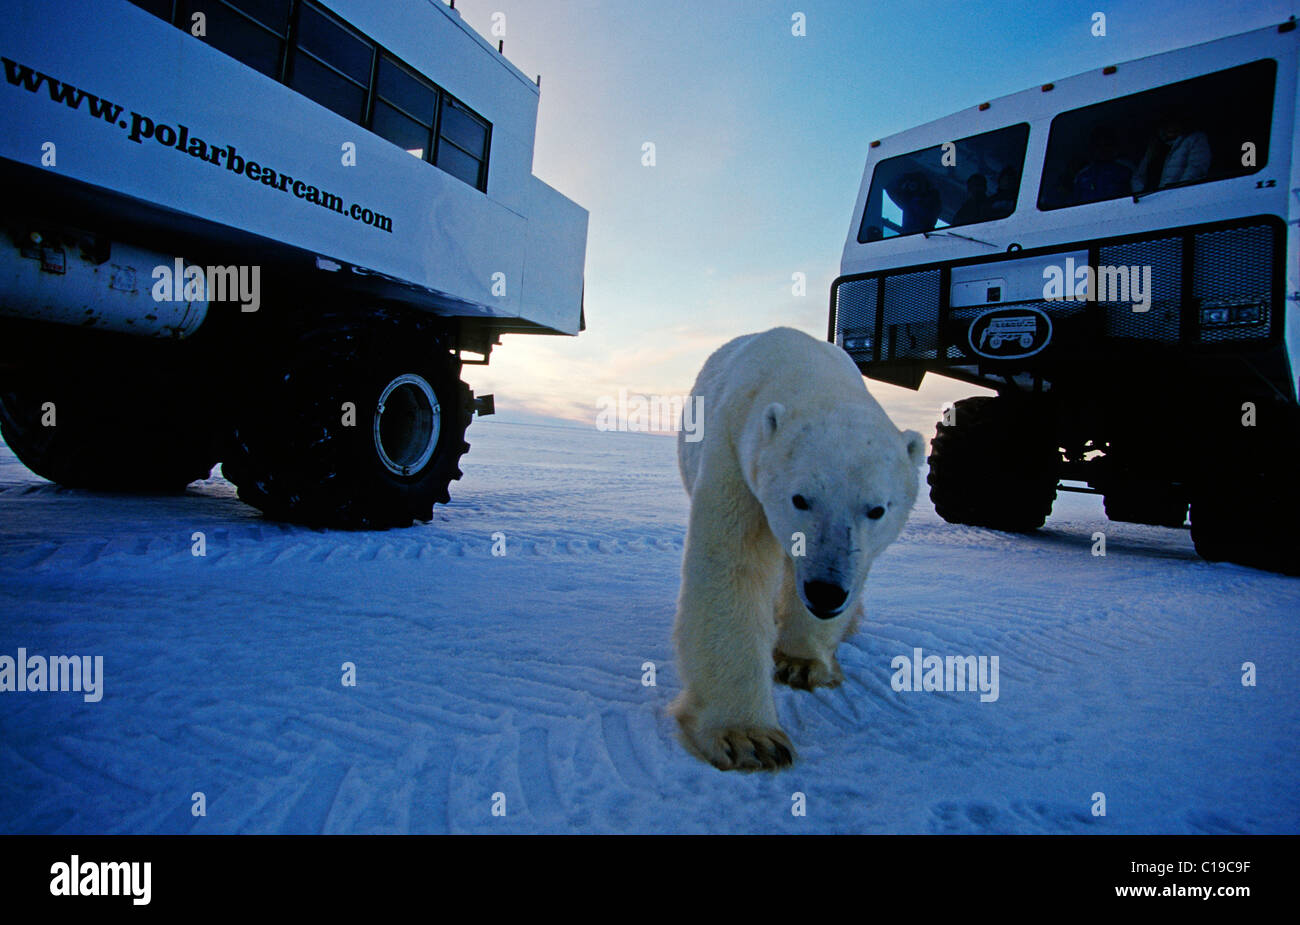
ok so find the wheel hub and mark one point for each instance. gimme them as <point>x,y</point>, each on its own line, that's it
<point>407,423</point>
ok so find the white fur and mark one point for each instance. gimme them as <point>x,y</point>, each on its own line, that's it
<point>785,414</point>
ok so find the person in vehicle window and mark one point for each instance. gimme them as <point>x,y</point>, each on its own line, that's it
<point>919,200</point>
<point>1003,202</point>
<point>1177,154</point>
<point>1106,175</point>
<point>976,207</point>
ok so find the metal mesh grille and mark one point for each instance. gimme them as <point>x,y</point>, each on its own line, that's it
<point>855,317</point>
<point>1161,262</point>
<point>1234,267</point>
<point>911,316</point>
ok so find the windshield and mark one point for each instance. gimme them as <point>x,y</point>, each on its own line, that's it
<point>964,182</point>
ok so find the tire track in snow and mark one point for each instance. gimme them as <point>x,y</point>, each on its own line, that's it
<point>249,546</point>
<point>622,752</point>
<point>316,801</point>
<point>978,817</point>
<point>540,795</point>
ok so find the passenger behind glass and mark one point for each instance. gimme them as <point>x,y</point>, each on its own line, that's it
<point>976,207</point>
<point>916,196</point>
<point>1106,175</point>
<point>1176,154</point>
<point>1003,202</point>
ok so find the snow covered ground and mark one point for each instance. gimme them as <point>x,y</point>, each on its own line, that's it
<point>522,675</point>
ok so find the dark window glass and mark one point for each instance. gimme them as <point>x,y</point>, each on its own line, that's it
<point>332,65</point>
<point>332,90</point>
<point>160,8</point>
<point>334,45</point>
<point>236,35</point>
<point>459,164</point>
<point>401,88</point>
<point>271,13</point>
<point>462,129</point>
<point>919,192</point>
<point>402,131</point>
<point>1177,135</point>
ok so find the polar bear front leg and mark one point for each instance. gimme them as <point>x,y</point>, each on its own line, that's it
<point>724,631</point>
<point>805,647</point>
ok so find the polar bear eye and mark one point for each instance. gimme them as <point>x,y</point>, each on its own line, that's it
<point>876,512</point>
<point>800,502</point>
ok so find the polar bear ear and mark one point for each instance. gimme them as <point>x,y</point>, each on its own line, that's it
<point>772,415</point>
<point>915,444</point>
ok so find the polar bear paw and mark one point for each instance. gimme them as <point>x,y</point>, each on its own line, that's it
<point>749,748</point>
<point>741,748</point>
<point>806,673</point>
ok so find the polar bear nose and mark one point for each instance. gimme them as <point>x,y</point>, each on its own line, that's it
<point>824,599</point>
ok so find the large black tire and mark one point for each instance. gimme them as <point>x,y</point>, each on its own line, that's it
<point>1156,506</point>
<point>1249,520</point>
<point>996,465</point>
<point>117,429</point>
<point>299,455</point>
<point>1245,496</point>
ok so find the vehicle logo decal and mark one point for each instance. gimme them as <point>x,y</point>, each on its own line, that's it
<point>1010,333</point>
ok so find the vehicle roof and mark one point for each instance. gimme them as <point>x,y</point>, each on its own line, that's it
<point>351,10</point>
<point>1080,89</point>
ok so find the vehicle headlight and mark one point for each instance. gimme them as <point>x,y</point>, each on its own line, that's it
<point>1232,313</point>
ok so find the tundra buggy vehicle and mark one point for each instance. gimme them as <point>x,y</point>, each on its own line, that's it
<point>1116,256</point>
<point>266,233</point>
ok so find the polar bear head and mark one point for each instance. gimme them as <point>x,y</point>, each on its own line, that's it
<point>836,487</point>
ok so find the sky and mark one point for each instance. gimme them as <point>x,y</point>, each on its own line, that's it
<point>760,139</point>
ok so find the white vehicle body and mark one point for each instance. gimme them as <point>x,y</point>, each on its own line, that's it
<point>511,252</point>
<point>268,234</point>
<point>1003,260</point>
<point>1116,255</point>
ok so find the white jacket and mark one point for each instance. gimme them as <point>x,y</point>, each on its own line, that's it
<point>1188,159</point>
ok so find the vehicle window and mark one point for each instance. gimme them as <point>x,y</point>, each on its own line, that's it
<point>401,130</point>
<point>331,65</point>
<point>462,143</point>
<point>251,31</point>
<point>1195,131</point>
<point>328,87</point>
<point>975,179</point>
<point>274,14</point>
<point>161,8</point>
<point>405,107</point>
<point>413,95</point>
<point>329,42</point>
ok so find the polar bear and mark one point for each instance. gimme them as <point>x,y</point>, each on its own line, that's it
<point>797,483</point>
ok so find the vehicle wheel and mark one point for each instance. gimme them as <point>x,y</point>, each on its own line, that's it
<point>110,429</point>
<point>362,427</point>
<point>1156,506</point>
<point>995,465</point>
<point>1250,521</point>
